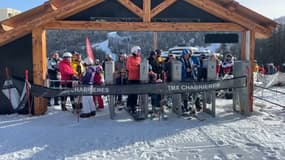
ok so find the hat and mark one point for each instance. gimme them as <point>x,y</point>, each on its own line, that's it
<point>152,53</point>
<point>75,52</point>
<point>158,51</point>
<point>184,52</point>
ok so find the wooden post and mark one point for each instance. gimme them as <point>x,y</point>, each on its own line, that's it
<point>146,11</point>
<point>243,46</point>
<point>251,59</point>
<point>39,67</point>
<point>155,45</point>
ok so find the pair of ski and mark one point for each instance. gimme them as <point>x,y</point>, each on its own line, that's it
<point>157,113</point>
<point>193,116</point>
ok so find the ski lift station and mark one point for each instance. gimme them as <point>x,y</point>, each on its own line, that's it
<point>23,43</point>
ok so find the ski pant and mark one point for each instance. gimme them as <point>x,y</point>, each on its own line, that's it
<point>155,100</point>
<point>132,98</point>
<point>194,98</point>
<point>64,98</point>
<point>88,104</point>
<point>120,81</point>
<point>98,100</point>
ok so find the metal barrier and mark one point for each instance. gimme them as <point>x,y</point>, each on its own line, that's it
<point>240,95</point>
<point>109,80</point>
<point>142,108</point>
<point>271,90</point>
<point>175,88</point>
<point>176,76</point>
<point>209,98</point>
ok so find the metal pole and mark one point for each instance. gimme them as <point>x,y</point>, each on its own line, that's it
<point>176,70</point>
<point>109,79</point>
<point>144,70</point>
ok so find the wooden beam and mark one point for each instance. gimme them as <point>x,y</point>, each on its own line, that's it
<point>75,7</point>
<point>232,6</point>
<point>223,13</point>
<point>143,26</point>
<point>51,5</point>
<point>39,67</point>
<point>132,7</point>
<point>6,27</point>
<point>146,10</point>
<point>68,9</point>
<point>243,46</point>
<point>162,6</point>
<point>57,3</point>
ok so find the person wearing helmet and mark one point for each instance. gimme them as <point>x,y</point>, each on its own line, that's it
<point>227,64</point>
<point>67,75</point>
<point>88,106</point>
<point>76,64</point>
<point>98,80</point>
<point>189,66</point>
<point>133,67</point>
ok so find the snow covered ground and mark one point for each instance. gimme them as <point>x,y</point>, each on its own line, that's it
<point>58,135</point>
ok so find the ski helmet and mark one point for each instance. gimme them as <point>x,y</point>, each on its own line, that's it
<point>67,55</point>
<point>98,69</point>
<point>136,50</point>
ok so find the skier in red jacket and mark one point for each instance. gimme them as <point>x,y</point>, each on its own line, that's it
<point>98,80</point>
<point>67,75</point>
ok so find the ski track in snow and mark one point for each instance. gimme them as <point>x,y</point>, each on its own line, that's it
<point>58,135</point>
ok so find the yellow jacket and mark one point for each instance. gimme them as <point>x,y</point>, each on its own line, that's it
<point>77,67</point>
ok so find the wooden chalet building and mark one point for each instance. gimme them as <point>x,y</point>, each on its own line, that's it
<point>23,37</point>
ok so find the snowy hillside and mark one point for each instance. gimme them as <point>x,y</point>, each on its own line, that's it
<point>58,135</point>
<point>104,47</point>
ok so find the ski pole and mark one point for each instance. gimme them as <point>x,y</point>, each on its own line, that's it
<point>28,90</point>
<point>10,99</point>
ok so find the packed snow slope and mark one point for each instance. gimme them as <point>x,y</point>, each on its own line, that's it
<point>230,135</point>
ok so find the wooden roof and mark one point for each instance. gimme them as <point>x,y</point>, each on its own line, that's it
<point>55,10</point>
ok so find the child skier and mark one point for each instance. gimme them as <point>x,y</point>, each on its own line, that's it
<point>88,106</point>
<point>98,80</point>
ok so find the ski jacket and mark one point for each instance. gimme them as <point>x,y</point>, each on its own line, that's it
<point>88,76</point>
<point>53,68</point>
<point>191,63</point>
<point>227,67</point>
<point>77,67</point>
<point>120,68</point>
<point>66,71</point>
<point>98,79</point>
<point>133,67</point>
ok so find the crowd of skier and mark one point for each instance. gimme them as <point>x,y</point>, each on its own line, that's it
<point>71,70</point>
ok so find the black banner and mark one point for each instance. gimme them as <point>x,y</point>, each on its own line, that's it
<point>158,88</point>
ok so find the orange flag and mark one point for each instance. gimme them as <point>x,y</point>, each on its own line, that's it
<point>89,50</point>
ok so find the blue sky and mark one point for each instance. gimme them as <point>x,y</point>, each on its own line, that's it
<point>269,8</point>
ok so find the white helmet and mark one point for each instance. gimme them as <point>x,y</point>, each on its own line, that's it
<point>88,61</point>
<point>136,50</point>
<point>66,55</point>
